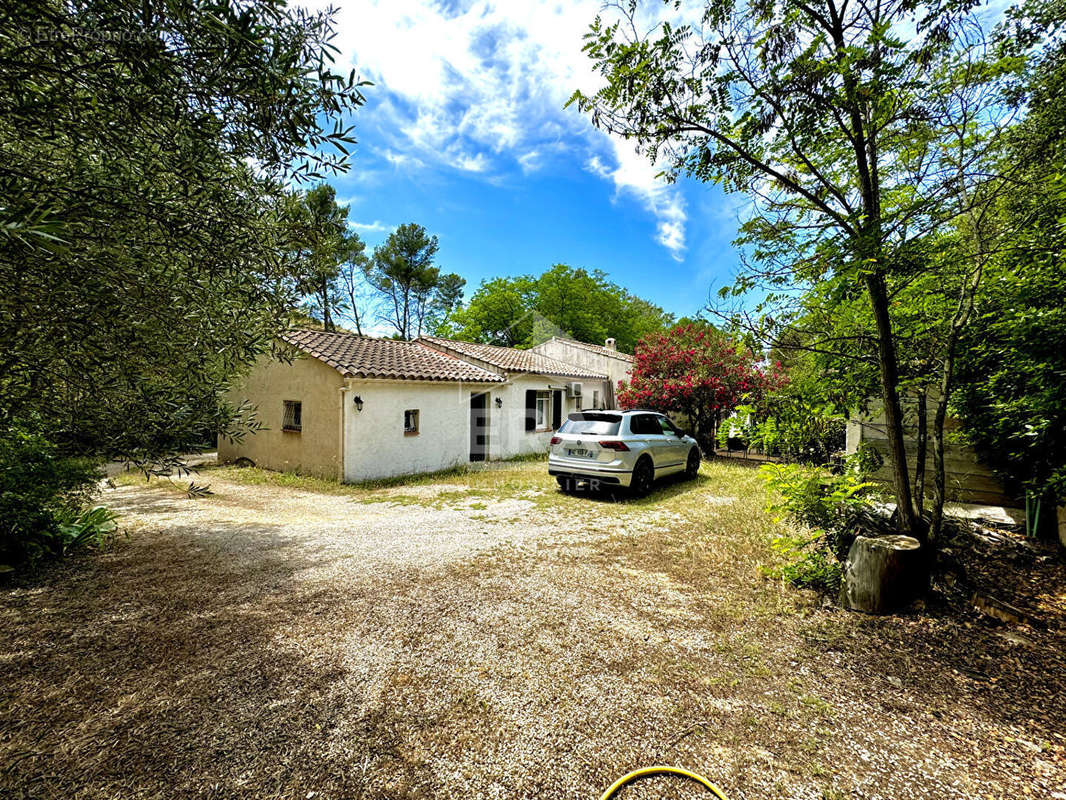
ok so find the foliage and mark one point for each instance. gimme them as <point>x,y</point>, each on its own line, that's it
<point>413,290</point>
<point>563,301</point>
<point>1011,394</point>
<point>830,506</point>
<point>144,261</point>
<point>787,425</point>
<point>858,131</point>
<point>328,257</point>
<point>698,371</point>
<point>92,528</point>
<point>41,495</point>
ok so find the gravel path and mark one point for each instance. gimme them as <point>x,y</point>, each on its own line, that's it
<point>445,641</point>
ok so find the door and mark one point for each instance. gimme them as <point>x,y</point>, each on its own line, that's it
<point>479,426</point>
<point>673,444</point>
<point>646,427</point>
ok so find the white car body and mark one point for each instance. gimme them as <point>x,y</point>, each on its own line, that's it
<point>604,448</point>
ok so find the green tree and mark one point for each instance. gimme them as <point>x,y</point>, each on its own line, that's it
<point>352,285</point>
<point>499,313</point>
<point>857,129</point>
<point>144,261</point>
<point>1011,395</point>
<point>324,245</point>
<point>527,309</point>
<point>413,290</point>
<point>446,298</point>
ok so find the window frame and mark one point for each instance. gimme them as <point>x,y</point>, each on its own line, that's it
<point>417,419</point>
<point>545,423</point>
<point>292,422</point>
<point>669,428</point>
<point>642,419</point>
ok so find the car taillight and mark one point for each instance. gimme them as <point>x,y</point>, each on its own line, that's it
<point>555,440</point>
<point>619,446</point>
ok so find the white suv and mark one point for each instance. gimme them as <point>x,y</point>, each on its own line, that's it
<point>620,448</point>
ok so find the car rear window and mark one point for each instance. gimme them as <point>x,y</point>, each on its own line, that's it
<point>591,422</point>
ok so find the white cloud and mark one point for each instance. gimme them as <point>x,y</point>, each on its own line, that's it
<point>402,159</point>
<point>530,161</point>
<point>370,227</point>
<point>479,86</point>
<point>635,176</point>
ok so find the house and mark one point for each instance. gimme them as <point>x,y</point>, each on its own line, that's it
<point>538,393</point>
<point>357,408</point>
<point>606,359</point>
<point>967,480</point>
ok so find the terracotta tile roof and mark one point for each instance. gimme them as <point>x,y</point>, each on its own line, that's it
<point>511,360</point>
<point>366,357</point>
<point>596,348</point>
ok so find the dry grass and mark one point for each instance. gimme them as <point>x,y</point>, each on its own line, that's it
<point>480,635</point>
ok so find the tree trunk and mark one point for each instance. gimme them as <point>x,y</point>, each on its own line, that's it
<point>936,517</point>
<point>327,320</point>
<point>920,453</point>
<point>947,380</point>
<point>886,351</point>
<point>883,574</point>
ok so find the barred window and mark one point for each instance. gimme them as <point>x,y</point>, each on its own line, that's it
<point>293,419</point>
<point>410,422</point>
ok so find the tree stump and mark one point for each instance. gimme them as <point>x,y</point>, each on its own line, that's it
<point>883,574</point>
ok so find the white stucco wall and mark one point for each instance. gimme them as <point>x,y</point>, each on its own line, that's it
<point>509,437</point>
<point>375,445</point>
<point>616,369</point>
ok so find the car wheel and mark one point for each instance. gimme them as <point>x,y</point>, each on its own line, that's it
<point>643,476</point>
<point>566,485</point>
<point>692,468</point>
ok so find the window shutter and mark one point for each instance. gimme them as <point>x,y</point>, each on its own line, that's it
<point>557,410</point>
<point>531,409</point>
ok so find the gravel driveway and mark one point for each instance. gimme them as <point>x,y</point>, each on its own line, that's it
<point>448,640</point>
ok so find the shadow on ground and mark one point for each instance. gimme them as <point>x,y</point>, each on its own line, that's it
<point>237,660</point>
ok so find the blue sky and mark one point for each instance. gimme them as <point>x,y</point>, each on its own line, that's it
<point>464,132</point>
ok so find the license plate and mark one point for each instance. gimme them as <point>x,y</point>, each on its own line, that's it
<point>578,451</point>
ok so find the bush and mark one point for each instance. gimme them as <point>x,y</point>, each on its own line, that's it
<point>42,494</point>
<point>831,506</point>
<point>784,426</point>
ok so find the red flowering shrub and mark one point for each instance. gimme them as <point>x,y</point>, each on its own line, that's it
<point>697,371</point>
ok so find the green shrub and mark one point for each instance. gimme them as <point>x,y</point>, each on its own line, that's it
<point>809,563</point>
<point>94,527</point>
<point>830,506</point>
<point>42,494</point>
<point>786,427</point>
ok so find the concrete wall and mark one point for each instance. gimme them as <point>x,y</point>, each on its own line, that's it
<point>968,480</point>
<point>616,369</point>
<point>375,443</point>
<point>508,424</point>
<point>315,450</point>
<point>377,447</point>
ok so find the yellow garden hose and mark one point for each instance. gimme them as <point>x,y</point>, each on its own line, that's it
<point>640,773</point>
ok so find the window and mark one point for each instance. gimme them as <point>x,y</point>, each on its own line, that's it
<point>669,428</point>
<point>410,422</point>
<point>595,398</point>
<point>592,423</point>
<point>645,425</point>
<point>543,409</point>
<point>293,419</point>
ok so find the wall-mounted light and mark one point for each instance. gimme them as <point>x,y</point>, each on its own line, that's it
<point>358,402</point>
<point>499,402</point>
